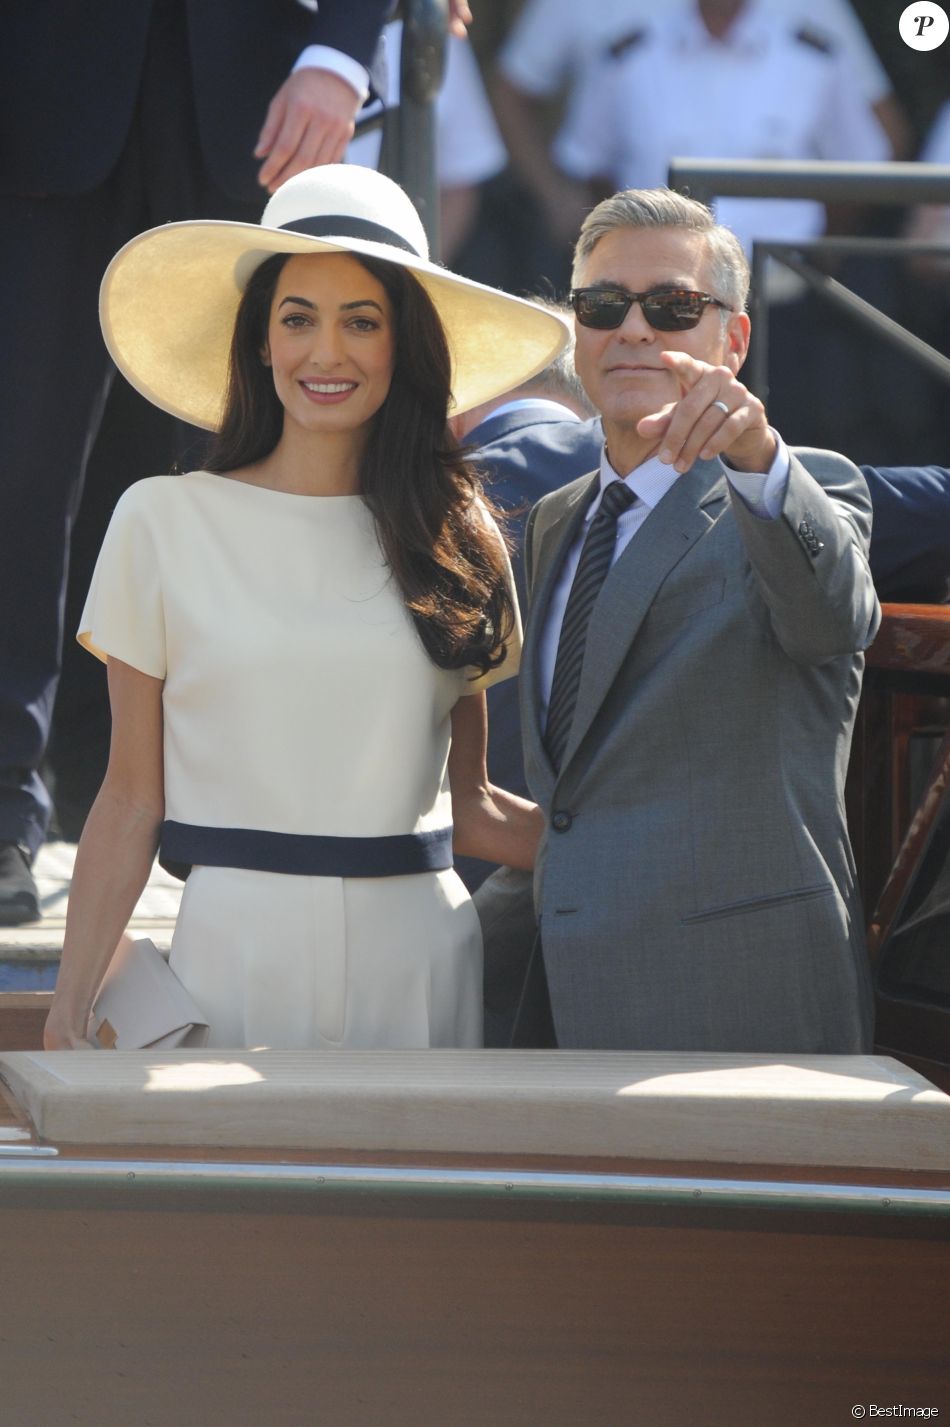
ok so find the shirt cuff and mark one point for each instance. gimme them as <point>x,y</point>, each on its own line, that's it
<point>763,491</point>
<point>347,68</point>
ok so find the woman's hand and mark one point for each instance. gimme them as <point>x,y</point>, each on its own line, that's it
<point>488,822</point>
<point>64,1037</point>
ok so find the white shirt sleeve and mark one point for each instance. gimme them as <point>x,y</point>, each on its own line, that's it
<point>348,69</point>
<point>763,491</point>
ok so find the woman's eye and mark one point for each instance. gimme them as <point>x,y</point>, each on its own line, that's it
<point>364,324</point>
<point>295,319</point>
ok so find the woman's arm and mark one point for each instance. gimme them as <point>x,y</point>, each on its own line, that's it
<point>115,852</point>
<point>489,822</point>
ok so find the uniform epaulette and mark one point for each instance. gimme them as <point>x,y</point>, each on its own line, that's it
<point>626,42</point>
<point>816,38</point>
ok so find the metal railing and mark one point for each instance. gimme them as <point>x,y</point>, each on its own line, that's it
<point>823,181</point>
<point>408,148</point>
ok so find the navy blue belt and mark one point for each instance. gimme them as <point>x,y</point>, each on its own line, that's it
<point>184,845</point>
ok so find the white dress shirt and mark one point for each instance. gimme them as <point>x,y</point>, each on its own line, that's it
<point>762,492</point>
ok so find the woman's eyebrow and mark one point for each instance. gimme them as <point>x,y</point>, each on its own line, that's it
<point>344,306</point>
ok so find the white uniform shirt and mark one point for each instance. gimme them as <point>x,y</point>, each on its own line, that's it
<point>761,92</point>
<point>469,147</point>
<point>552,40</point>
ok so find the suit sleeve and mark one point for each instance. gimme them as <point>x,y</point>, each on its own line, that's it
<point>351,26</point>
<point>810,564</point>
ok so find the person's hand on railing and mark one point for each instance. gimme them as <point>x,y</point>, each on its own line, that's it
<point>460,17</point>
<point>310,121</point>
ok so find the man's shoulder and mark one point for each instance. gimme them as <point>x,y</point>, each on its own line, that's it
<point>537,456</point>
<point>551,506</point>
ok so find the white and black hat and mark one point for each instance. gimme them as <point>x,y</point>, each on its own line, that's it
<point>170,296</point>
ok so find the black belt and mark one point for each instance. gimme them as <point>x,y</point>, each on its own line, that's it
<point>185,845</point>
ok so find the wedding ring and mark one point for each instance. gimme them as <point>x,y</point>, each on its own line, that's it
<point>722,407</point>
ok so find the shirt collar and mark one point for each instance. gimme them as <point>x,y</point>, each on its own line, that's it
<point>748,34</point>
<point>649,481</point>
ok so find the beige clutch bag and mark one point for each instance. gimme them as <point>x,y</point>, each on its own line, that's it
<point>142,1005</point>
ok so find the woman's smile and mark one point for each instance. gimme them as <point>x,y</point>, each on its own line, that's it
<point>330,344</point>
<point>324,393</point>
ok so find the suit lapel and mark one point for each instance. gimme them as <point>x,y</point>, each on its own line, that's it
<point>685,513</point>
<point>553,539</point>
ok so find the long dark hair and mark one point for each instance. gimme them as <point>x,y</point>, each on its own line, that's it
<point>443,554</point>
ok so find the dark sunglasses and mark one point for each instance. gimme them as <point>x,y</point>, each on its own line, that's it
<point>666,309</point>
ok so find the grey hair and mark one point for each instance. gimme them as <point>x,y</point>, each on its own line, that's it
<point>663,208</point>
<point>559,378</point>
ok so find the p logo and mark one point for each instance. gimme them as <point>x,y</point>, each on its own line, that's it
<point>924,26</point>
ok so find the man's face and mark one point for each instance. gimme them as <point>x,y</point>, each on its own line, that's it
<point>621,369</point>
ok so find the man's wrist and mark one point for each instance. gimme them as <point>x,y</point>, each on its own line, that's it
<point>338,63</point>
<point>760,460</point>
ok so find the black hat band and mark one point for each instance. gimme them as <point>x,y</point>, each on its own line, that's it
<point>345,226</point>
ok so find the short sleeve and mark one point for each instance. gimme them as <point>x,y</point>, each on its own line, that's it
<point>124,614</point>
<point>512,660</point>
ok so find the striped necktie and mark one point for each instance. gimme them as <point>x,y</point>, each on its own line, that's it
<point>595,561</point>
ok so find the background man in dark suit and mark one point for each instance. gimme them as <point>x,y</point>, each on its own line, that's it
<point>910,537</point>
<point>115,117</point>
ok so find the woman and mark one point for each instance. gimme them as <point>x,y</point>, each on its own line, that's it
<point>298,635</point>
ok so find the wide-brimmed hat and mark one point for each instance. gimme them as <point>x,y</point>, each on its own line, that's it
<point>170,296</point>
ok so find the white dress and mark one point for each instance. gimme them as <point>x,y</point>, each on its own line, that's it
<point>298,699</point>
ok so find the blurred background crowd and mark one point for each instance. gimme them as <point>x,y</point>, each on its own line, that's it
<point>551,104</point>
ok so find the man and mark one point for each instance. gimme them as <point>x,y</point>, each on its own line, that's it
<point>558,45</point>
<point>687,721</point>
<point>116,117</point>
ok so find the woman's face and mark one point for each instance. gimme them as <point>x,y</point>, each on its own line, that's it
<point>330,343</point>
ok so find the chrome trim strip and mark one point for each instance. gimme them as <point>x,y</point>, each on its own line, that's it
<point>512,1186</point>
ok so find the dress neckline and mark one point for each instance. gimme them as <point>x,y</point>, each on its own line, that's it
<point>338,500</point>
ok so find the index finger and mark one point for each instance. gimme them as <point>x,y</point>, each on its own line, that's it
<point>687,369</point>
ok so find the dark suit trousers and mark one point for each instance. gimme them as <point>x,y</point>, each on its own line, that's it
<point>53,251</point>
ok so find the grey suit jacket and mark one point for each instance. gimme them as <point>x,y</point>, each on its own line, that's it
<point>700,892</point>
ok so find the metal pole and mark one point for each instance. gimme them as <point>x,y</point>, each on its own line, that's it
<point>422,66</point>
<point>897,183</point>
